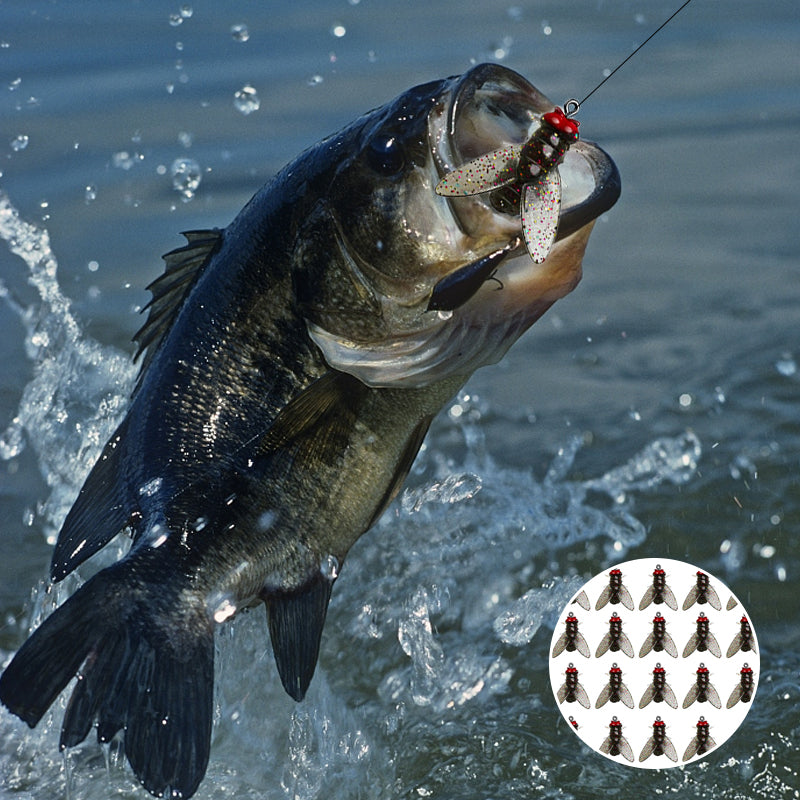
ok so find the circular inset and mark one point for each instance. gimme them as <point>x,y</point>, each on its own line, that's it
<point>654,663</point>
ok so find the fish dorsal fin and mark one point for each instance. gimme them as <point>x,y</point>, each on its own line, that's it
<point>296,620</point>
<point>169,290</point>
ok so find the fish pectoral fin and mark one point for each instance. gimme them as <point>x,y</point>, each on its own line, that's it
<point>296,620</point>
<point>169,290</point>
<point>103,507</point>
<point>313,416</point>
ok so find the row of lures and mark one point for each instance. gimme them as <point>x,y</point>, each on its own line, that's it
<point>524,178</point>
<point>659,640</point>
<point>659,691</point>
<point>657,593</point>
<point>615,744</point>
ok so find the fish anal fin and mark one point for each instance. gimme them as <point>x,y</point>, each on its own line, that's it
<point>103,507</point>
<point>169,290</point>
<point>296,619</point>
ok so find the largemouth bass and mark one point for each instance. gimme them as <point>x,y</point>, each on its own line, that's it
<point>292,364</point>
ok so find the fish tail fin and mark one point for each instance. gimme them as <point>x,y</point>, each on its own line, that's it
<point>142,667</point>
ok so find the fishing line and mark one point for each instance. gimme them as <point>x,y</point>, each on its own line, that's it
<point>571,107</point>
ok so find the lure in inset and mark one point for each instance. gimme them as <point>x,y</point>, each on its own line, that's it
<point>523,178</point>
<point>659,743</point>
<point>702,690</point>
<point>658,592</point>
<point>702,741</point>
<point>615,592</point>
<point>732,603</point>
<point>659,640</point>
<point>659,690</point>
<point>744,640</point>
<point>572,639</point>
<point>615,691</point>
<point>743,691</point>
<point>702,592</point>
<point>571,691</point>
<point>702,640</point>
<point>615,640</point>
<point>615,743</point>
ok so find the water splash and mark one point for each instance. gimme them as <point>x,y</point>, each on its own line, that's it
<point>80,388</point>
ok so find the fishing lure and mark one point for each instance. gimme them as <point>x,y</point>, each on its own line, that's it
<point>571,690</point>
<point>744,640</point>
<point>658,592</point>
<point>659,640</point>
<point>523,178</point>
<point>702,690</point>
<point>572,639</point>
<point>659,744</point>
<point>615,593</point>
<point>615,743</point>
<point>615,691</point>
<point>615,640</point>
<point>659,690</point>
<point>702,640</point>
<point>702,592</point>
<point>743,691</point>
<point>702,741</point>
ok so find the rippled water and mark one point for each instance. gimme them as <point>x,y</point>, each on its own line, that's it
<point>654,412</point>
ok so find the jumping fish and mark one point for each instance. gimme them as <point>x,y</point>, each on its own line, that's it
<point>291,366</point>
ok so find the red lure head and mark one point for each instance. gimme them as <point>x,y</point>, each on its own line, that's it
<point>561,122</point>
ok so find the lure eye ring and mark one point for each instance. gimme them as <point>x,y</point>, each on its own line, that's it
<point>571,107</point>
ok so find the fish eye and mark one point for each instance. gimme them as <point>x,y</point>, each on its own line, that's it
<point>385,154</point>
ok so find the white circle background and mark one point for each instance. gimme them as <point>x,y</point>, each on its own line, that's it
<point>637,673</point>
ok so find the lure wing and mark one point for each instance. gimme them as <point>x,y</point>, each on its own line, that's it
<point>541,203</point>
<point>482,174</point>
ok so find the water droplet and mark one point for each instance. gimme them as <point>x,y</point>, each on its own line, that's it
<point>122,160</point>
<point>246,100</point>
<point>314,80</point>
<point>685,400</point>
<point>14,85</point>
<point>240,32</point>
<point>444,315</point>
<point>786,365</point>
<point>185,139</point>
<point>175,20</point>
<point>547,29</point>
<point>151,487</point>
<point>329,568</point>
<point>20,142</point>
<point>338,30</point>
<point>200,523</point>
<point>225,610</point>
<point>186,177</point>
<point>90,193</point>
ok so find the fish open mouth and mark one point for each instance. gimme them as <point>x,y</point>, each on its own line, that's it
<point>456,319</point>
<point>491,107</point>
